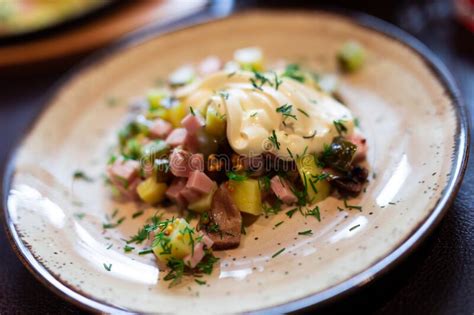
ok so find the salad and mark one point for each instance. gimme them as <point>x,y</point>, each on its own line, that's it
<point>228,140</point>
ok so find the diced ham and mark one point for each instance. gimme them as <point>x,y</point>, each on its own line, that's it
<point>190,195</point>
<point>181,137</point>
<point>207,241</point>
<point>183,162</point>
<point>174,191</point>
<point>282,190</point>
<point>361,144</point>
<point>160,129</point>
<point>192,260</point>
<point>177,137</point>
<point>196,162</point>
<point>210,65</point>
<point>200,182</point>
<point>179,163</point>
<point>193,123</point>
<point>124,171</point>
<point>128,191</point>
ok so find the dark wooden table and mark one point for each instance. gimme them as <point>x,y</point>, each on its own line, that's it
<point>437,279</point>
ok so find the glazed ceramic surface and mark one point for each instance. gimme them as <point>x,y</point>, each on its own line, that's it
<point>416,147</point>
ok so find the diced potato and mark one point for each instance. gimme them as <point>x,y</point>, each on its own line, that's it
<point>176,244</point>
<point>250,58</point>
<point>151,191</point>
<point>246,195</point>
<point>204,203</point>
<point>351,56</point>
<point>310,171</point>
<point>176,114</point>
<point>215,122</point>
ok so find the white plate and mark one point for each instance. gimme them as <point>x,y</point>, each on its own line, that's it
<point>408,108</point>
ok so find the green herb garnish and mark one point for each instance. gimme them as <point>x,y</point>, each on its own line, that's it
<point>108,267</point>
<point>285,110</point>
<point>236,177</point>
<point>81,175</point>
<point>302,112</point>
<point>278,252</point>
<point>273,139</point>
<point>354,227</point>
<point>307,232</point>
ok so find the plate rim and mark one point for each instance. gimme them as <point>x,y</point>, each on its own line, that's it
<point>312,301</point>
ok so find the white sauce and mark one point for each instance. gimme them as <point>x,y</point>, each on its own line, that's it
<point>252,117</point>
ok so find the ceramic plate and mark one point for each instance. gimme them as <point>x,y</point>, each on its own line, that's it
<point>408,108</point>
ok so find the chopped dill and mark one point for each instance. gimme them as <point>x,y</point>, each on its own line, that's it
<point>285,110</point>
<point>273,139</point>
<point>302,112</point>
<point>354,227</point>
<point>82,175</point>
<point>278,252</point>
<point>108,267</point>
<point>307,232</point>
<point>348,206</point>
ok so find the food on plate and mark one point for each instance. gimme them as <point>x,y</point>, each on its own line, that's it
<point>226,141</point>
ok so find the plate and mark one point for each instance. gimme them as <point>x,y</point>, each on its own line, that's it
<point>408,107</point>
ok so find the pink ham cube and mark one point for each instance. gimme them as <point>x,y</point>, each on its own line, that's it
<point>174,191</point>
<point>199,253</point>
<point>190,195</point>
<point>179,162</point>
<point>124,171</point>
<point>177,137</point>
<point>200,182</point>
<point>282,190</point>
<point>193,123</point>
<point>196,162</point>
<point>160,129</point>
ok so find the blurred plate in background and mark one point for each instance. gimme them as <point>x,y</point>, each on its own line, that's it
<point>91,34</point>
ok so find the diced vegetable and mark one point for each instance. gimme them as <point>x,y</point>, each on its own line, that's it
<point>174,242</point>
<point>351,56</point>
<point>132,149</point>
<point>155,149</point>
<point>176,113</point>
<point>215,122</point>
<point>203,204</point>
<point>207,144</point>
<point>162,113</point>
<point>314,181</point>
<point>246,195</point>
<point>182,75</point>
<point>154,98</point>
<point>339,154</point>
<point>250,58</point>
<point>151,191</point>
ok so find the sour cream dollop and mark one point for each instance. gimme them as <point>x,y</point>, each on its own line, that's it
<point>256,120</point>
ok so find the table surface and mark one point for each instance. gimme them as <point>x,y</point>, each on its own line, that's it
<point>438,278</point>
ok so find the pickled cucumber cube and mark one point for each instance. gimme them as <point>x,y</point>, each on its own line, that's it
<point>351,56</point>
<point>215,122</point>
